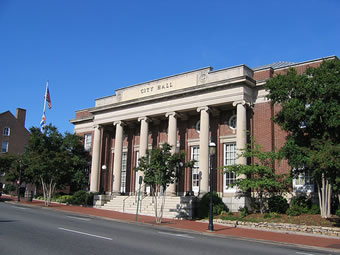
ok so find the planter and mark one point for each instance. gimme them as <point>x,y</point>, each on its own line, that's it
<point>28,196</point>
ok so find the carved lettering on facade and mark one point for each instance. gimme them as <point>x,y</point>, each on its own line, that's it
<point>157,88</point>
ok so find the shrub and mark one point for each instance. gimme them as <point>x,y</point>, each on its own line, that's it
<point>64,199</point>
<point>82,197</point>
<point>337,212</point>
<point>9,189</point>
<point>243,212</point>
<point>294,210</point>
<point>271,215</point>
<point>277,204</point>
<point>218,205</point>
<point>303,202</point>
<point>315,209</point>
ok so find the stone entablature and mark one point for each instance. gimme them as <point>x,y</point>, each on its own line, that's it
<point>176,83</point>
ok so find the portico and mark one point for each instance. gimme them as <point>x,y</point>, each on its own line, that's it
<point>186,110</point>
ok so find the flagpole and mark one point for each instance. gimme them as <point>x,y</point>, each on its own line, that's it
<point>45,98</point>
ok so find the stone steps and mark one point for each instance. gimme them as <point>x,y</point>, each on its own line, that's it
<point>175,207</point>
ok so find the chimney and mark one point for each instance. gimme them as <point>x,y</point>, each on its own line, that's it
<point>21,116</point>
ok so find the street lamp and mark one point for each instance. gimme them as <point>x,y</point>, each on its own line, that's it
<point>102,179</point>
<point>212,152</point>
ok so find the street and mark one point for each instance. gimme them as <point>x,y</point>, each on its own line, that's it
<point>33,230</point>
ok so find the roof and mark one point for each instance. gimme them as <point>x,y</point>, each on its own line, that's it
<point>275,65</point>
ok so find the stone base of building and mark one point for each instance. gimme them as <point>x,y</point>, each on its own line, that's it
<point>235,201</point>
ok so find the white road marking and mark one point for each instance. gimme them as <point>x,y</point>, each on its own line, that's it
<point>83,233</point>
<point>178,235</point>
<point>22,208</point>
<point>78,218</point>
<point>303,253</point>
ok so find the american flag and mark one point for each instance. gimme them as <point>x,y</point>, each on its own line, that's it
<point>48,99</point>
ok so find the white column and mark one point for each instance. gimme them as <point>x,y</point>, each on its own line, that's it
<point>204,149</point>
<point>143,139</point>
<point>95,168</point>
<point>117,163</point>
<point>241,129</point>
<point>172,140</point>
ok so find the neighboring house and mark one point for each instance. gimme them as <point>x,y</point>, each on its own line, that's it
<point>187,110</point>
<point>14,136</point>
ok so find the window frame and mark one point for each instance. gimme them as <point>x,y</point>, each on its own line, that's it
<point>229,158</point>
<point>8,133</point>
<point>88,142</point>
<point>3,149</point>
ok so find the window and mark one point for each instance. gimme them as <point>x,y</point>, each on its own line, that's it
<point>232,122</point>
<point>137,174</point>
<point>123,173</point>
<point>87,142</point>
<point>6,131</point>
<point>195,155</point>
<point>303,182</point>
<point>228,160</point>
<point>4,147</point>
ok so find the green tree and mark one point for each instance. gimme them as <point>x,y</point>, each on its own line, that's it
<point>261,176</point>
<point>54,160</point>
<point>310,113</point>
<point>160,169</point>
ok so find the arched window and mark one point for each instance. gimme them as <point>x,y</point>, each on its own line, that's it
<point>232,122</point>
<point>6,131</point>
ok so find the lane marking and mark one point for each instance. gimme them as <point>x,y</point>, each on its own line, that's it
<point>22,208</point>
<point>303,253</point>
<point>178,235</point>
<point>83,233</point>
<point>78,218</point>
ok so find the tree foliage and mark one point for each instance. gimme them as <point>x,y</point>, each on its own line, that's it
<point>261,176</point>
<point>310,113</point>
<point>54,160</point>
<point>161,168</point>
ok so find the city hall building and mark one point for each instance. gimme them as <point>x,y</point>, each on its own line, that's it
<point>189,111</point>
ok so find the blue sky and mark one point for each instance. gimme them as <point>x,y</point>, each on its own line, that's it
<point>87,49</point>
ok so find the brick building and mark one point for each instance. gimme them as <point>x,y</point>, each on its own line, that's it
<point>14,136</point>
<point>188,110</point>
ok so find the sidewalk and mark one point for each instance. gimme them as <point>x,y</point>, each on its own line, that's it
<point>191,225</point>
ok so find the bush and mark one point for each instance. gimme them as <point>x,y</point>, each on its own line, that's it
<point>337,212</point>
<point>303,202</point>
<point>82,197</point>
<point>218,205</point>
<point>243,212</point>
<point>64,199</point>
<point>9,189</point>
<point>294,210</point>
<point>271,215</point>
<point>315,209</point>
<point>277,204</point>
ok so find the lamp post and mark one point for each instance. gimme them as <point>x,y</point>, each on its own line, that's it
<point>102,179</point>
<point>212,152</point>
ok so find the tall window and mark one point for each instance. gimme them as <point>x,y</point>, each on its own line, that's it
<point>195,155</point>
<point>87,142</point>
<point>229,159</point>
<point>6,131</point>
<point>4,147</point>
<point>303,182</point>
<point>137,174</point>
<point>123,173</point>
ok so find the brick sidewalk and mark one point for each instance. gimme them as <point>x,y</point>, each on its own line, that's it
<point>191,225</point>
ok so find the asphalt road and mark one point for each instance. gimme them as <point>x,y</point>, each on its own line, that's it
<point>27,230</point>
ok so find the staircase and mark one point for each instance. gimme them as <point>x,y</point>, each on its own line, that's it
<point>174,207</point>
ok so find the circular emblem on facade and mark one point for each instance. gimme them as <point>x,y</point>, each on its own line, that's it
<point>203,77</point>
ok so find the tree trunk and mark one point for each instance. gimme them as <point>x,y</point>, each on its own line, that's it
<point>159,203</point>
<point>324,193</point>
<point>48,190</point>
